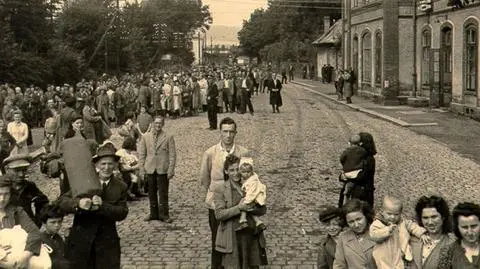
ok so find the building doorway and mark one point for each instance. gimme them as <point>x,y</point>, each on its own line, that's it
<point>446,67</point>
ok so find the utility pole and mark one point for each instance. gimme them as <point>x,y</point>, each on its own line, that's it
<point>414,48</point>
<point>199,49</point>
<point>118,36</point>
<point>106,57</point>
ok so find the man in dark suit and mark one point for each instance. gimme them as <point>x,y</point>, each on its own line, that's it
<point>93,242</point>
<point>157,156</point>
<point>212,94</point>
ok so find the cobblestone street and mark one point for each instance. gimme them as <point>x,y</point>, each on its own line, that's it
<point>296,155</point>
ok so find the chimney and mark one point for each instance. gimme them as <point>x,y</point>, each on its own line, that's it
<point>326,24</point>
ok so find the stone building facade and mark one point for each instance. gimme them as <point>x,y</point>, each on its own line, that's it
<point>414,48</point>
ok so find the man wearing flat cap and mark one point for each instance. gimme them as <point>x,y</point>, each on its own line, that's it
<point>93,242</point>
<point>26,192</point>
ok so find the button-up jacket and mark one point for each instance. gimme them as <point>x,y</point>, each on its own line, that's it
<point>352,253</point>
<point>159,157</point>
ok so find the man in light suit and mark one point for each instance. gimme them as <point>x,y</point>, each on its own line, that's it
<point>212,174</point>
<point>157,156</point>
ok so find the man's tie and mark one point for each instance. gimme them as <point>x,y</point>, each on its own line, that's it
<point>104,188</point>
<point>155,138</point>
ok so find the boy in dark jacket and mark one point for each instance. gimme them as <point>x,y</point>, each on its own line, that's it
<point>52,218</point>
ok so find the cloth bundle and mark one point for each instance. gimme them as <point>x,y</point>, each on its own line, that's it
<point>16,238</point>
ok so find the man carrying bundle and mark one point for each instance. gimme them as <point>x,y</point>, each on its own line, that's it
<point>98,203</point>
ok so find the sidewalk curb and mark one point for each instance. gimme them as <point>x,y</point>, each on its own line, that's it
<point>355,107</point>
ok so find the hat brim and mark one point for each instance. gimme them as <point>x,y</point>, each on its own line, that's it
<point>329,217</point>
<point>96,158</point>
<point>17,164</point>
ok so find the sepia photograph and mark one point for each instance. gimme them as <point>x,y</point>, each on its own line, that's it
<point>239,134</point>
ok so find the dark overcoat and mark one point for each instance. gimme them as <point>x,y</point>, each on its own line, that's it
<point>93,242</point>
<point>275,95</point>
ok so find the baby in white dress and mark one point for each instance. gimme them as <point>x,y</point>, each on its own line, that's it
<point>255,192</point>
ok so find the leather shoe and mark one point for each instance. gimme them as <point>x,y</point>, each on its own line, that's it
<point>131,197</point>
<point>140,194</point>
<point>166,220</point>
<point>149,218</point>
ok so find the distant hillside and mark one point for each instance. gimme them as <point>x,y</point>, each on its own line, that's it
<point>223,35</point>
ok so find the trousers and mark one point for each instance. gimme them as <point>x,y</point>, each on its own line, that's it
<point>212,115</point>
<point>216,258</point>
<point>158,195</point>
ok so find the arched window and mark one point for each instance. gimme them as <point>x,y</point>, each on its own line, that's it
<point>355,55</point>
<point>367,57</point>
<point>425,64</point>
<point>378,57</point>
<point>471,56</point>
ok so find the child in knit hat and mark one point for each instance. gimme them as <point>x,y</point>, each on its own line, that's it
<point>254,192</point>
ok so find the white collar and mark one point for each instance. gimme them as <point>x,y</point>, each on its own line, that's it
<point>106,182</point>
<point>232,150</point>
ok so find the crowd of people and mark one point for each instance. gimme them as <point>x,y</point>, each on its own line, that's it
<point>97,179</point>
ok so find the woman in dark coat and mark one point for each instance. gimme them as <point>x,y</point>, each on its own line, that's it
<point>369,167</point>
<point>243,249</point>
<point>275,95</point>
<point>349,80</point>
<point>362,186</point>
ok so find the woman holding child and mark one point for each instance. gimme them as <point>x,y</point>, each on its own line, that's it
<point>358,163</point>
<point>241,248</point>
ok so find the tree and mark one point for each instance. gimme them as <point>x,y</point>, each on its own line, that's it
<point>40,45</point>
<point>171,17</point>
<point>82,26</point>
<point>284,31</point>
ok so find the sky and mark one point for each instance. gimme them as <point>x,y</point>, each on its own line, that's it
<point>232,12</point>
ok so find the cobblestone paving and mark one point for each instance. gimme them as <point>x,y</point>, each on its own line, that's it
<point>296,155</point>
